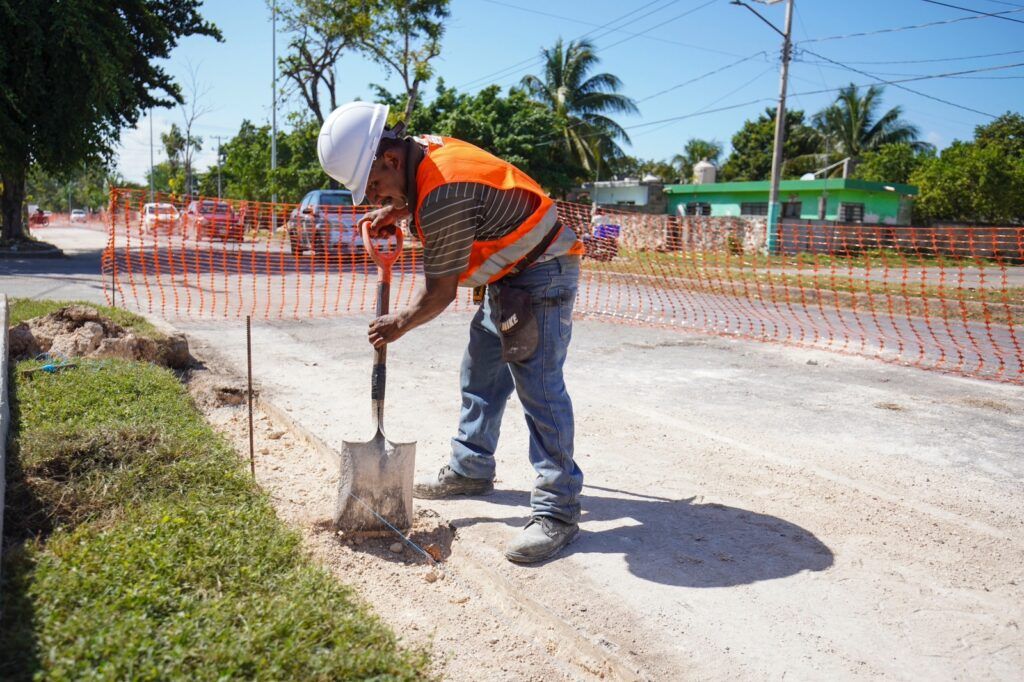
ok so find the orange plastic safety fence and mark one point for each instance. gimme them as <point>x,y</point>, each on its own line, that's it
<point>947,298</point>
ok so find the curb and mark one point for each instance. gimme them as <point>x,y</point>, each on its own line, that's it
<point>18,255</point>
<point>5,412</point>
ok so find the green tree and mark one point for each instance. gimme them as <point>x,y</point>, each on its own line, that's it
<point>632,167</point>
<point>693,152</point>
<point>88,188</point>
<point>73,74</point>
<point>852,126</point>
<point>894,162</point>
<point>980,181</point>
<point>751,157</point>
<point>512,127</point>
<point>581,102</point>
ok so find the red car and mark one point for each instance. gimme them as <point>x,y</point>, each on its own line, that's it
<point>212,219</point>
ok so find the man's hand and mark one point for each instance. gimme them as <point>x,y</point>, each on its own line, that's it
<point>385,329</point>
<point>382,221</point>
<point>427,304</point>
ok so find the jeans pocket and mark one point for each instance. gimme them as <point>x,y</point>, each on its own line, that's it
<point>563,299</point>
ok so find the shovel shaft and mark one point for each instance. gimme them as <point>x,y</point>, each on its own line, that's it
<point>384,261</point>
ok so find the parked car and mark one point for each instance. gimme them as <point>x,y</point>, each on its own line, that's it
<point>160,216</point>
<point>78,215</point>
<point>324,222</point>
<point>213,219</point>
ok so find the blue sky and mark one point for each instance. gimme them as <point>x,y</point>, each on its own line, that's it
<point>657,47</point>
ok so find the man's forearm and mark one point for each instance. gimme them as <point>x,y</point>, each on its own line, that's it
<point>427,304</point>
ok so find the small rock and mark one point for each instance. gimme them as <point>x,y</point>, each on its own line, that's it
<point>812,362</point>
<point>275,435</point>
<point>430,576</point>
<point>264,451</point>
<point>459,600</point>
<point>434,551</point>
<point>396,547</point>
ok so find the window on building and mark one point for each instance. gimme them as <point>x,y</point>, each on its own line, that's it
<point>851,213</point>
<point>791,209</point>
<point>698,208</point>
<point>754,208</point>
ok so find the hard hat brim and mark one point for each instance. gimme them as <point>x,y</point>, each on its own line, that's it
<point>366,160</point>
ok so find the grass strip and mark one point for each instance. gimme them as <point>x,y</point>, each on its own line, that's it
<point>22,309</point>
<point>139,548</point>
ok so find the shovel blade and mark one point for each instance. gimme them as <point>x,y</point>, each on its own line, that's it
<point>375,475</point>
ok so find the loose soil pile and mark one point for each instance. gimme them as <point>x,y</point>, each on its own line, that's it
<point>81,331</point>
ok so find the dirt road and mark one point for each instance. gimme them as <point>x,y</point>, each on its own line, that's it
<point>750,511</point>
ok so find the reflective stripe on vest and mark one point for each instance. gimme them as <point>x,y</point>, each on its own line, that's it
<point>448,160</point>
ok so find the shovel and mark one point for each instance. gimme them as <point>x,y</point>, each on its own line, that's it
<point>375,490</point>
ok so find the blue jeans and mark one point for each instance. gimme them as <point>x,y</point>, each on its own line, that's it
<point>488,381</point>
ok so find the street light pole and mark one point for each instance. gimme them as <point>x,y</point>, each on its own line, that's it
<point>771,244</point>
<point>273,116</point>
<point>218,138</point>
<point>151,155</point>
<point>780,134</point>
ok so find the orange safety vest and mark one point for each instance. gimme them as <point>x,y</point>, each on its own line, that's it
<point>448,160</point>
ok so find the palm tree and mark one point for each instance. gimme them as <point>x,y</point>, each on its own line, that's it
<point>581,102</point>
<point>850,126</point>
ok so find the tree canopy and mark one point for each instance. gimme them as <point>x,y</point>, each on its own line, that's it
<point>751,157</point>
<point>978,181</point>
<point>73,74</point>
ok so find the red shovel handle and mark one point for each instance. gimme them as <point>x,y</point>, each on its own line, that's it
<point>384,260</point>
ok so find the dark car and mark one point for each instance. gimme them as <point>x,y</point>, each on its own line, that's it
<point>212,219</point>
<point>324,222</point>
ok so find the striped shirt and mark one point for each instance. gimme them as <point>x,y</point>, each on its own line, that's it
<point>455,215</point>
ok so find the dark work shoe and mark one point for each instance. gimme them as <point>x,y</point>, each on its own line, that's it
<point>448,483</point>
<point>541,539</point>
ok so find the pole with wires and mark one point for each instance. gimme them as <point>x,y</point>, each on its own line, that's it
<point>273,117</point>
<point>151,155</point>
<point>780,134</point>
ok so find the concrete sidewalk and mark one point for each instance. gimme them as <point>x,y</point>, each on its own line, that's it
<point>750,510</point>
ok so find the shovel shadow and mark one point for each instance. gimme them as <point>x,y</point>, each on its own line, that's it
<point>682,542</point>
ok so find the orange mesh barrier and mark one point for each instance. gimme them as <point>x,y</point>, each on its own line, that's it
<point>939,298</point>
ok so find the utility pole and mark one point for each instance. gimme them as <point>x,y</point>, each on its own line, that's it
<point>774,211</point>
<point>273,116</point>
<point>151,155</point>
<point>218,138</point>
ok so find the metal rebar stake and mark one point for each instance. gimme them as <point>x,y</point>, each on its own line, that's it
<point>248,356</point>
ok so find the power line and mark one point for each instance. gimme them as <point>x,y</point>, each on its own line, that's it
<point>704,109</point>
<point>701,77</point>
<point>897,83</point>
<point>515,70</point>
<point>994,15</point>
<point>938,59</point>
<point>503,71</point>
<point>617,30</point>
<point>876,81</point>
<point>912,27</point>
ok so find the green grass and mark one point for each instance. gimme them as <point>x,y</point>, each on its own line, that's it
<point>139,548</point>
<point>22,309</point>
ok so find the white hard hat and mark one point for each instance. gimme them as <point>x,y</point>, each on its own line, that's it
<point>348,141</point>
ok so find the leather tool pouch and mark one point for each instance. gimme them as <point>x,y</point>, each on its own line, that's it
<point>516,324</point>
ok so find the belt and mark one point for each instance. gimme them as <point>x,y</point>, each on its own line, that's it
<point>536,252</point>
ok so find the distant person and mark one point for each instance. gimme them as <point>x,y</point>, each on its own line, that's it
<point>482,222</point>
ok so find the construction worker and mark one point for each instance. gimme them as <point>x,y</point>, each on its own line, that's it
<point>482,222</point>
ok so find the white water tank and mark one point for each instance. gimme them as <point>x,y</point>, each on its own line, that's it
<point>704,172</point>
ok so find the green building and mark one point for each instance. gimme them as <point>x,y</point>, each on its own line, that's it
<point>837,200</point>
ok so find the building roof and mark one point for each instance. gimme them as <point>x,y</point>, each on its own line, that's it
<point>763,186</point>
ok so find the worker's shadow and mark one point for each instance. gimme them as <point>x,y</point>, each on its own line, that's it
<point>681,542</point>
